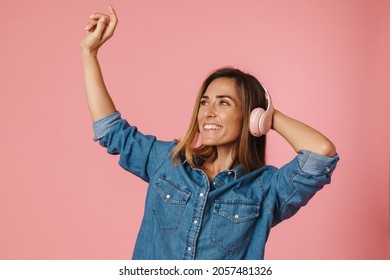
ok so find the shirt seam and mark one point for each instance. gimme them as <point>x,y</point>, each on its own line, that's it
<point>163,162</point>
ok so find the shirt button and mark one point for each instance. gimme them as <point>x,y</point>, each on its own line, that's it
<point>229,173</point>
<point>214,183</point>
<point>195,222</point>
<point>189,249</point>
<point>168,196</point>
<point>236,216</point>
<point>201,194</point>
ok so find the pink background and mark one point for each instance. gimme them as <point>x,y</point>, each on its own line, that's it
<point>326,63</point>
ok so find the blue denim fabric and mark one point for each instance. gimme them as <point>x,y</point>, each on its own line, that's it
<point>189,217</point>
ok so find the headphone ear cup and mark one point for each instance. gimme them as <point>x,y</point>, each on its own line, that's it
<point>265,121</point>
<point>255,120</point>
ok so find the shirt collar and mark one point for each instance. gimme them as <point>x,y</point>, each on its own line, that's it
<point>238,170</point>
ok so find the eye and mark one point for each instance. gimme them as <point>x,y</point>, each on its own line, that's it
<point>224,102</point>
<point>203,102</point>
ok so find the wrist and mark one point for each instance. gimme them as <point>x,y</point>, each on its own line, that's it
<point>86,52</point>
<point>89,53</point>
<point>275,116</point>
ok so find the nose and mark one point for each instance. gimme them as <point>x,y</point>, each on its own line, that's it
<point>209,111</point>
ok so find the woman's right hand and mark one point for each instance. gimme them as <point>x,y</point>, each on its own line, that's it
<point>100,28</point>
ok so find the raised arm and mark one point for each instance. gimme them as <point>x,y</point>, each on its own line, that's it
<point>100,28</point>
<point>301,136</point>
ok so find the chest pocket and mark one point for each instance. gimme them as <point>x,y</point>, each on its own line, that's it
<point>233,223</point>
<point>171,200</point>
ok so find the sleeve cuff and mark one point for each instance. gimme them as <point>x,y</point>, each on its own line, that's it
<point>101,127</point>
<point>316,164</point>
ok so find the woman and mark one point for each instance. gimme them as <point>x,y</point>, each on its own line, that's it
<point>210,195</point>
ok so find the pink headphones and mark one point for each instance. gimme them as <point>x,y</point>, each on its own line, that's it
<point>261,120</point>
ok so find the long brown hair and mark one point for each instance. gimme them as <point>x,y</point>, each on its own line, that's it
<point>250,151</point>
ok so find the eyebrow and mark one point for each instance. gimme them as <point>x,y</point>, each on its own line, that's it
<point>218,96</point>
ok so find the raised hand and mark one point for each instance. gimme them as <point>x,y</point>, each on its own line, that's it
<point>100,28</point>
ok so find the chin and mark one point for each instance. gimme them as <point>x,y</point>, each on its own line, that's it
<point>209,143</point>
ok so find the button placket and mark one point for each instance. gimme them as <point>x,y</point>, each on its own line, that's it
<point>195,225</point>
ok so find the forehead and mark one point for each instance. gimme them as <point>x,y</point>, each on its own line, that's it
<point>222,86</point>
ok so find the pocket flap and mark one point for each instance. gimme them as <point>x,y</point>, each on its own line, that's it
<point>172,192</point>
<point>237,211</point>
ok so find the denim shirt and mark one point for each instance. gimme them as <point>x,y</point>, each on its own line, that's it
<point>188,217</point>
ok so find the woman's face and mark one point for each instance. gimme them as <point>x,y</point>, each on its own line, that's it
<point>220,114</point>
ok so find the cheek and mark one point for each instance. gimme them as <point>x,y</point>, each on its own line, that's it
<point>236,120</point>
<point>198,119</point>
<point>200,112</point>
<point>235,126</point>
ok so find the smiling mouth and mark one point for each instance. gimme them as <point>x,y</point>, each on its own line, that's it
<point>211,127</point>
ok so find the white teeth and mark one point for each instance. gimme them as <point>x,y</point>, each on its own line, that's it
<point>212,126</point>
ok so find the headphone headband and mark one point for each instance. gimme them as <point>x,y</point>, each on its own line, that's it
<point>267,96</point>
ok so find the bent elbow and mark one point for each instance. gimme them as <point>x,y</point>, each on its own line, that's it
<point>327,149</point>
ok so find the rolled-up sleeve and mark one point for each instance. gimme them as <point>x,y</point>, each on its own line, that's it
<point>316,164</point>
<point>101,127</point>
<point>298,181</point>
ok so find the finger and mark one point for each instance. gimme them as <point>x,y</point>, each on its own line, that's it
<point>112,12</point>
<point>97,16</point>
<point>113,16</point>
<point>91,25</point>
<point>100,27</point>
<point>109,32</point>
<point>94,19</point>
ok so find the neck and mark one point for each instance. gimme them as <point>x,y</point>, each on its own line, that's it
<point>224,161</point>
